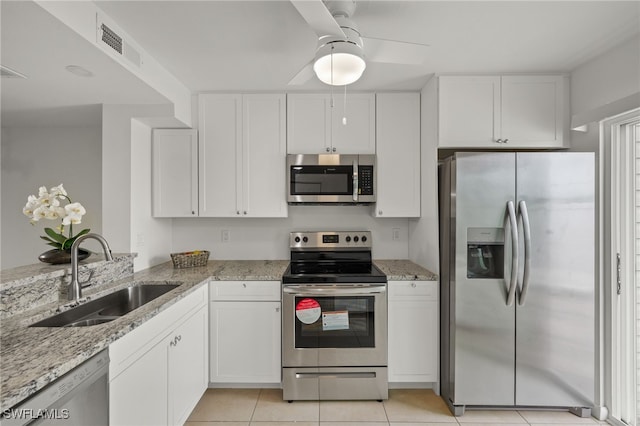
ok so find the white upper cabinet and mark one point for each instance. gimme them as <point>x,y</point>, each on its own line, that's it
<point>175,172</point>
<point>398,154</point>
<point>503,112</point>
<point>242,155</point>
<point>315,125</point>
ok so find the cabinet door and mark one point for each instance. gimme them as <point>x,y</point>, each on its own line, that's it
<point>175,172</point>
<point>138,396</point>
<point>469,111</point>
<point>532,111</point>
<point>245,342</point>
<point>187,354</point>
<point>413,331</point>
<point>264,156</point>
<point>353,123</point>
<point>398,159</point>
<point>220,125</point>
<point>308,124</point>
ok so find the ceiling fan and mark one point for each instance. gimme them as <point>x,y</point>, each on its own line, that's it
<point>342,53</point>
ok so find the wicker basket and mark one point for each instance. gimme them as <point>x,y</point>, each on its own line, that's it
<point>190,259</point>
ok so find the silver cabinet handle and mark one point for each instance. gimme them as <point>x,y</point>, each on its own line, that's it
<point>502,140</point>
<point>328,149</point>
<point>244,285</point>
<point>526,230</point>
<point>237,211</point>
<point>175,340</point>
<point>413,285</point>
<point>514,253</point>
<point>193,212</point>
<point>333,149</point>
<point>315,290</point>
<point>380,212</point>
<point>355,180</point>
<point>244,212</point>
<point>505,141</point>
<point>277,309</point>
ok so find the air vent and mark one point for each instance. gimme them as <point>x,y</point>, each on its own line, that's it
<point>111,38</point>
<point>7,72</point>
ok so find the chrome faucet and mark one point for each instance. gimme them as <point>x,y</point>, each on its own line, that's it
<point>75,287</point>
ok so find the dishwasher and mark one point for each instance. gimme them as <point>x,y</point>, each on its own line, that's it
<point>79,398</point>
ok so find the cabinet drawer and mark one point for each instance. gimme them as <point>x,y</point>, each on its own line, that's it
<point>401,290</point>
<point>245,290</point>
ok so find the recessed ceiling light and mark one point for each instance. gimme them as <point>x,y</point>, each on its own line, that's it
<point>9,73</point>
<point>79,71</point>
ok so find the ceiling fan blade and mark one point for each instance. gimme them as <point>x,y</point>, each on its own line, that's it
<point>318,17</point>
<point>304,75</point>
<point>394,52</point>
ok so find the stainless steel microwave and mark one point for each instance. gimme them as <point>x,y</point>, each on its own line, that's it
<point>331,178</point>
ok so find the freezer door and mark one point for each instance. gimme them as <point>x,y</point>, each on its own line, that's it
<point>483,334</point>
<point>555,321</point>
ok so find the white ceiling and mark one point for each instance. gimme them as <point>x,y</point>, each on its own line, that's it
<point>260,45</point>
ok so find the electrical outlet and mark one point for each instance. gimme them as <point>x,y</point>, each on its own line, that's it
<point>226,237</point>
<point>395,234</point>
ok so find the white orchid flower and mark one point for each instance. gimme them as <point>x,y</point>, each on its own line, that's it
<point>59,191</point>
<point>32,204</point>
<point>53,213</point>
<point>74,212</point>
<point>40,213</point>
<point>42,191</point>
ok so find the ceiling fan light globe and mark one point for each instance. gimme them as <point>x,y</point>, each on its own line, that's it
<point>347,68</point>
<point>345,57</point>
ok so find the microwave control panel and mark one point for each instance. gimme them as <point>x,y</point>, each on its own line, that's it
<point>365,180</point>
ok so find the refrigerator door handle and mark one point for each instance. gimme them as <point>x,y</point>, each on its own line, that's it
<point>513,224</point>
<point>526,230</point>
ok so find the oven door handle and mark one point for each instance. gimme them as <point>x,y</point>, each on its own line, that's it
<point>306,290</point>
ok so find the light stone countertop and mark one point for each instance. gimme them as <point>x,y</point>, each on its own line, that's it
<point>404,270</point>
<point>31,358</point>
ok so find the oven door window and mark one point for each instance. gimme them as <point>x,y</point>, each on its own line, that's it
<point>321,180</point>
<point>340,322</point>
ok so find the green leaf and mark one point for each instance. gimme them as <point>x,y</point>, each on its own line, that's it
<point>51,242</point>
<point>55,236</point>
<point>84,231</point>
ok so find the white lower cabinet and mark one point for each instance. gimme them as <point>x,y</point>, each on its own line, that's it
<point>158,372</point>
<point>413,331</point>
<point>244,324</point>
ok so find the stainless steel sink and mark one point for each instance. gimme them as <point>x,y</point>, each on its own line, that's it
<point>107,308</point>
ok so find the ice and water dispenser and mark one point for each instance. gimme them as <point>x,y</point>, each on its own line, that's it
<point>485,253</point>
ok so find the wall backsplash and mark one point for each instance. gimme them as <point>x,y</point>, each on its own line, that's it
<point>268,239</point>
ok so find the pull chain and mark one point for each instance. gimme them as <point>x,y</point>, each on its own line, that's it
<point>332,76</point>
<point>344,116</point>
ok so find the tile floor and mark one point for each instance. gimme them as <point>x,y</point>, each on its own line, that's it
<point>405,407</point>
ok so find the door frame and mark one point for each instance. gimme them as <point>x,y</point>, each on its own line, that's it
<point>617,165</point>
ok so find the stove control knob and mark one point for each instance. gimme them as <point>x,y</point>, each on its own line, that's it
<point>364,239</point>
<point>305,239</point>
<point>297,239</point>
<point>355,239</point>
<point>348,239</point>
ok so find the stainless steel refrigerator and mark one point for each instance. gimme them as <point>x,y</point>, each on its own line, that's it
<point>517,234</point>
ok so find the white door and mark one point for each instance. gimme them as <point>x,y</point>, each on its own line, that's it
<point>264,154</point>
<point>398,159</point>
<point>138,396</point>
<point>187,354</point>
<point>353,120</point>
<point>469,111</point>
<point>175,172</point>
<point>532,111</point>
<point>621,151</point>
<point>220,125</point>
<point>245,342</point>
<point>308,124</point>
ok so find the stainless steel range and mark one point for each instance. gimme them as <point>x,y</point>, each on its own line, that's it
<point>334,327</point>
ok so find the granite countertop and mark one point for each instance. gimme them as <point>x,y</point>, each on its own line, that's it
<point>31,358</point>
<point>404,270</point>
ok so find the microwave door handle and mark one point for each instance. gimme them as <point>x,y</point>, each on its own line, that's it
<point>355,180</point>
